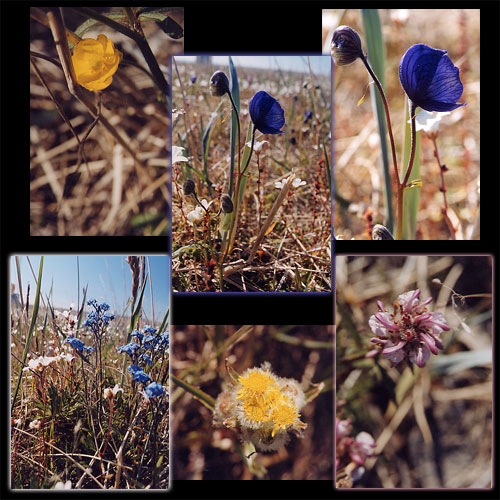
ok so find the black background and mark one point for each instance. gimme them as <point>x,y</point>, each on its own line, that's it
<point>228,28</point>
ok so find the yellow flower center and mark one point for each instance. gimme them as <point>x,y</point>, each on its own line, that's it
<point>256,384</point>
<point>283,414</point>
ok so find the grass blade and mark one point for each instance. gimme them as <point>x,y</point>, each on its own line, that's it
<point>376,56</point>
<point>411,197</point>
<point>201,396</point>
<point>31,330</point>
<point>235,92</point>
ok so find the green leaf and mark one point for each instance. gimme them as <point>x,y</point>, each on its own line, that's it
<point>119,17</point>
<point>206,140</point>
<point>201,396</point>
<point>235,92</point>
<point>411,197</point>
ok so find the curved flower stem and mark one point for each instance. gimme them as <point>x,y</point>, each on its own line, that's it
<point>402,186</point>
<point>387,115</point>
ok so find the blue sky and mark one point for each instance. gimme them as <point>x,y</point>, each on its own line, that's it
<point>108,278</point>
<point>319,64</point>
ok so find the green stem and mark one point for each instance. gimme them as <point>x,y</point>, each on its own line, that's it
<point>232,230</point>
<point>402,185</point>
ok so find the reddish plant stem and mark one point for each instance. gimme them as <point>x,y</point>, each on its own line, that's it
<point>442,170</point>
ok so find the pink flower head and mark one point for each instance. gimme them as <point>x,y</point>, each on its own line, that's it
<point>410,331</point>
<point>362,448</point>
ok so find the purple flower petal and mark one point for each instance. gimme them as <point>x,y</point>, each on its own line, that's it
<point>266,113</point>
<point>394,348</point>
<point>429,342</point>
<point>406,299</point>
<point>385,320</point>
<point>430,79</point>
<point>420,355</point>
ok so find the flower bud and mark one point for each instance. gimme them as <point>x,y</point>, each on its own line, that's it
<point>219,84</point>
<point>189,187</point>
<point>345,46</point>
<point>226,204</point>
<point>380,232</point>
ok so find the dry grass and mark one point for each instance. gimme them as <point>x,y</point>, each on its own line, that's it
<point>295,253</point>
<point>111,194</point>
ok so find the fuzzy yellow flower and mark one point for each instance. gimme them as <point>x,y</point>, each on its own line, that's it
<point>256,384</point>
<point>264,406</point>
<point>283,415</point>
<point>95,62</point>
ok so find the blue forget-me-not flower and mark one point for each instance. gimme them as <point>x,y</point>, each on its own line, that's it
<point>154,389</point>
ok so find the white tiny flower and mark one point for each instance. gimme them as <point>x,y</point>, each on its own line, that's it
<point>257,145</point>
<point>176,112</point>
<point>63,486</point>
<point>195,216</point>
<point>297,182</point>
<point>178,154</point>
<point>35,424</point>
<point>400,15</point>
<point>111,393</point>
<point>429,122</point>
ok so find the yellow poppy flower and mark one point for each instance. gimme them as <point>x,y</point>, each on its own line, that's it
<point>95,62</point>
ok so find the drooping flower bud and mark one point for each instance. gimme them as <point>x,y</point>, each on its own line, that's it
<point>345,46</point>
<point>380,232</point>
<point>219,84</point>
<point>226,203</point>
<point>189,187</point>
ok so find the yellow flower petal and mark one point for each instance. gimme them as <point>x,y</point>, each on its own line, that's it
<point>95,62</point>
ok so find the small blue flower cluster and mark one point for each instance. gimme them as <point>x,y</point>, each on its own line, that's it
<point>141,353</point>
<point>98,319</point>
<point>78,344</point>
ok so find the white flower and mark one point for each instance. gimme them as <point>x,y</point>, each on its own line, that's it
<point>178,154</point>
<point>297,182</point>
<point>111,393</point>
<point>67,357</point>
<point>429,122</point>
<point>400,15</point>
<point>196,215</point>
<point>40,363</point>
<point>257,145</point>
<point>63,486</point>
<point>35,424</point>
<point>176,112</point>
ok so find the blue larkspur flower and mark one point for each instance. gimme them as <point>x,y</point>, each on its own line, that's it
<point>266,113</point>
<point>430,79</point>
<point>154,389</point>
